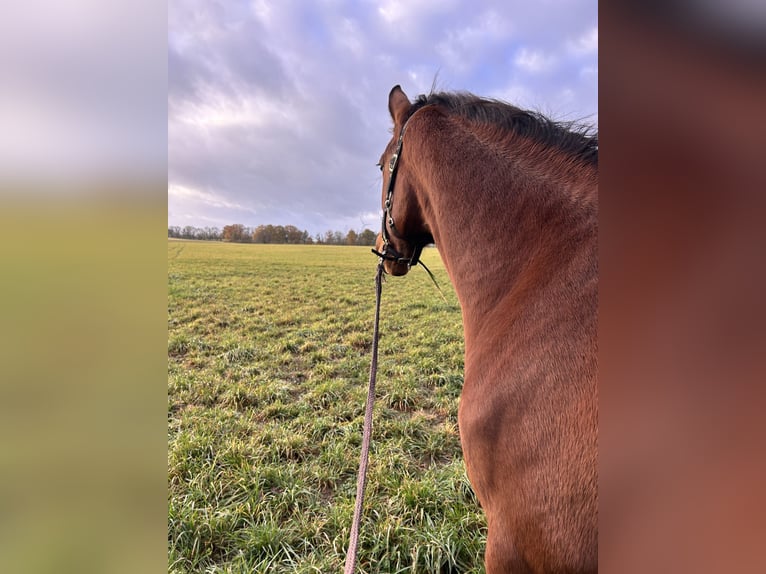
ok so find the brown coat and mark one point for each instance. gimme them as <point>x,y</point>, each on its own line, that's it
<point>510,200</point>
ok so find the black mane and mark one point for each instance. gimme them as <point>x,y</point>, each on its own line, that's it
<point>577,139</point>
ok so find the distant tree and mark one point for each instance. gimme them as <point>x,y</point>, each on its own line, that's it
<point>209,233</point>
<point>351,237</point>
<point>294,235</point>
<point>234,233</point>
<point>174,231</point>
<point>367,237</point>
<point>263,234</point>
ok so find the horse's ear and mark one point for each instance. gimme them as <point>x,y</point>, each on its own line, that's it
<point>398,104</point>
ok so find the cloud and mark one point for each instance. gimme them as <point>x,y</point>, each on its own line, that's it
<point>533,61</point>
<point>183,193</point>
<point>473,40</point>
<point>392,11</point>
<point>219,109</point>
<point>413,12</point>
<point>350,37</point>
<point>586,44</point>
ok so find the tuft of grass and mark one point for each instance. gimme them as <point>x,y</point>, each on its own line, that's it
<point>268,359</point>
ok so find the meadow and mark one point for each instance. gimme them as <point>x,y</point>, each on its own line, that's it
<point>268,361</point>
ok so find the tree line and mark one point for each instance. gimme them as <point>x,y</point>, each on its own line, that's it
<point>287,234</point>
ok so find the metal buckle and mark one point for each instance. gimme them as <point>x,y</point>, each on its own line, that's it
<point>392,163</point>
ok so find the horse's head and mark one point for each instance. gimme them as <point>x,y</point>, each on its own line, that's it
<point>403,232</point>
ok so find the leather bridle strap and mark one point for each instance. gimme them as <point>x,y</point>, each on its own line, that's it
<point>388,252</point>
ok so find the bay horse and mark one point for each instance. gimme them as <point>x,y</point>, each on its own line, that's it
<point>510,199</point>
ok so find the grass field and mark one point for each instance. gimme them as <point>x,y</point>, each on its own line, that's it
<point>268,359</point>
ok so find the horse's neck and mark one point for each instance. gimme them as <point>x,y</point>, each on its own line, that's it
<point>511,232</point>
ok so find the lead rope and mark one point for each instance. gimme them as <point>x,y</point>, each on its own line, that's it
<point>361,481</point>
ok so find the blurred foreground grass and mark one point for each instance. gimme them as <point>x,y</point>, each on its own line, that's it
<point>82,453</point>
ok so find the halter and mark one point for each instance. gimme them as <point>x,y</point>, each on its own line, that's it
<point>388,252</point>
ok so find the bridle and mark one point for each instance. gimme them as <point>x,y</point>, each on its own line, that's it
<point>388,251</point>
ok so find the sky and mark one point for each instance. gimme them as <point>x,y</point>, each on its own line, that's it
<point>277,110</point>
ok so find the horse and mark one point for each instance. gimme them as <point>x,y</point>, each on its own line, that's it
<point>510,199</point>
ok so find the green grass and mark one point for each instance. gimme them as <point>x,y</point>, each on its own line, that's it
<point>268,360</point>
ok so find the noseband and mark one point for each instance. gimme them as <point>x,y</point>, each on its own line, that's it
<point>388,252</point>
